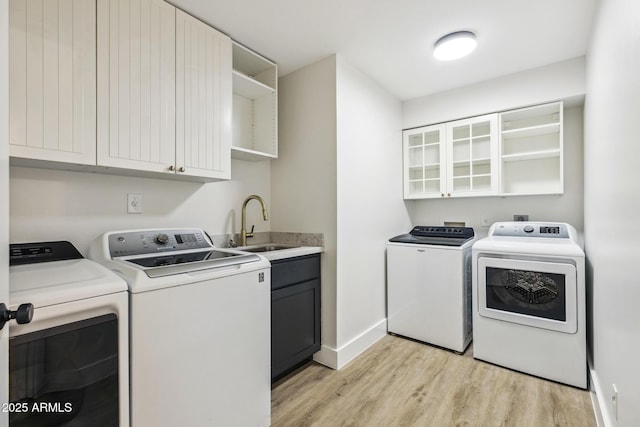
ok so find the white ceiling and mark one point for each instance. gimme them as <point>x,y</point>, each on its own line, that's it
<point>392,40</point>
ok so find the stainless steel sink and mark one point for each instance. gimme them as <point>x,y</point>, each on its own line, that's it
<point>267,247</point>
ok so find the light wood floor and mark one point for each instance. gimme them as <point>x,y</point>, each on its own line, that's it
<point>398,382</point>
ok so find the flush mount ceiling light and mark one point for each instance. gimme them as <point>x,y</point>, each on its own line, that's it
<point>454,45</point>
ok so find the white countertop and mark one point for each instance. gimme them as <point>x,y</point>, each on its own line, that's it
<point>284,253</point>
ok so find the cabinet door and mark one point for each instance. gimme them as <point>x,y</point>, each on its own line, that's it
<point>472,154</point>
<point>52,74</point>
<point>424,162</point>
<point>136,84</point>
<point>203,99</point>
<point>295,325</point>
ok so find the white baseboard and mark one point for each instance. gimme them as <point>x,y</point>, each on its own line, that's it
<point>338,358</point>
<point>598,400</point>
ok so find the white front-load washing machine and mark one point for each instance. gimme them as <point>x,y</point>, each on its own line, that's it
<point>529,300</point>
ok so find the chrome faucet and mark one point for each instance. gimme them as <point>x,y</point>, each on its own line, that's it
<point>243,232</point>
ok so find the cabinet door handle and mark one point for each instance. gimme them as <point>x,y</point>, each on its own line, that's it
<point>23,314</point>
<point>172,168</point>
<point>182,169</point>
<point>441,194</point>
<point>448,194</point>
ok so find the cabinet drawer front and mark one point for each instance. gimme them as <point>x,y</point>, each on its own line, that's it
<point>295,270</point>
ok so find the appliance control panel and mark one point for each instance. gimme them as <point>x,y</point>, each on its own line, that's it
<point>441,231</point>
<point>140,242</point>
<point>530,229</point>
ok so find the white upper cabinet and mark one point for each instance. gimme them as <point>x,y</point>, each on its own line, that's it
<point>456,159</point>
<point>203,99</point>
<point>52,73</point>
<point>136,85</point>
<point>424,162</point>
<point>531,150</point>
<point>513,153</point>
<point>255,106</point>
<point>472,152</point>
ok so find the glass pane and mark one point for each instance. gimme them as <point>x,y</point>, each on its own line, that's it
<point>432,172</point>
<point>460,132</point>
<point>527,292</point>
<point>415,187</point>
<point>432,186</point>
<point>432,154</point>
<point>73,367</point>
<point>481,129</point>
<point>461,184</point>
<point>481,148</point>
<point>481,183</point>
<point>415,156</point>
<point>415,173</point>
<point>462,170</point>
<point>415,140</point>
<point>481,168</point>
<point>461,151</point>
<point>432,137</point>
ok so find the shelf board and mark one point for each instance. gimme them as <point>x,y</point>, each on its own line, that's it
<point>533,155</point>
<point>250,155</point>
<point>248,61</point>
<point>545,129</point>
<point>249,88</point>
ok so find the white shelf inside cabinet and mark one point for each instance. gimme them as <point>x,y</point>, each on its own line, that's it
<point>533,155</point>
<point>527,132</point>
<point>250,155</point>
<point>248,87</point>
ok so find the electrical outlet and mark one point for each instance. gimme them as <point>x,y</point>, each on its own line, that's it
<point>614,400</point>
<point>521,217</point>
<point>134,203</point>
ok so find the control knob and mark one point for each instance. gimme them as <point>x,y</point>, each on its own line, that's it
<point>162,239</point>
<point>528,229</point>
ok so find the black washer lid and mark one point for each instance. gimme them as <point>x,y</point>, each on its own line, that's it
<point>32,253</point>
<point>436,235</point>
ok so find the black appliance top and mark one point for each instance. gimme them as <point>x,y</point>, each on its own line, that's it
<point>32,253</point>
<point>436,235</point>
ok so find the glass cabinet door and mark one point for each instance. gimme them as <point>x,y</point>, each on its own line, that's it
<point>424,153</point>
<point>472,153</point>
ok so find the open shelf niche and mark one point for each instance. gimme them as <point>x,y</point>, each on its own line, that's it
<point>531,150</point>
<point>255,106</point>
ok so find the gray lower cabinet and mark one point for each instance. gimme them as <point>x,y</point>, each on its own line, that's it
<point>295,312</point>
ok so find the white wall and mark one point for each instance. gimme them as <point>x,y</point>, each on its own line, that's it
<point>553,82</point>
<point>612,203</point>
<point>339,173</point>
<point>565,208</point>
<point>303,178</point>
<point>78,206</point>
<point>370,206</point>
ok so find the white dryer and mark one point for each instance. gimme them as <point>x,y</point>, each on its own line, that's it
<point>529,300</point>
<point>69,365</point>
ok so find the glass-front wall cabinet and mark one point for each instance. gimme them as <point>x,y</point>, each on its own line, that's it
<point>451,159</point>
<point>472,148</point>
<point>512,153</point>
<point>424,157</point>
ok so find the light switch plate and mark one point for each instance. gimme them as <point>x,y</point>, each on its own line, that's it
<point>134,203</point>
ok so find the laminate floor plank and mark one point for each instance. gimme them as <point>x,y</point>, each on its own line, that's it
<point>399,382</point>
